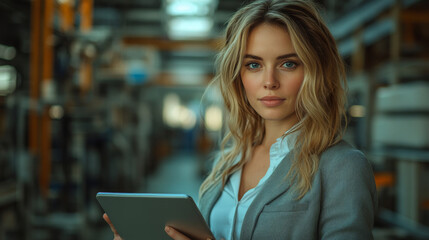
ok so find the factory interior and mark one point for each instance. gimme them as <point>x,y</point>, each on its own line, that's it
<point>114,96</point>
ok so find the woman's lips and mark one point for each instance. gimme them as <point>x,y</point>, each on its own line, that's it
<point>271,101</point>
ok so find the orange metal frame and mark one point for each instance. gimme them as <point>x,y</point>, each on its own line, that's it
<point>41,74</point>
<point>65,9</point>
<point>85,26</point>
<point>33,121</point>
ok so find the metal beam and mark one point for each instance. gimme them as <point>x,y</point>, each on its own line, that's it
<point>165,44</point>
<point>353,20</point>
<point>47,75</point>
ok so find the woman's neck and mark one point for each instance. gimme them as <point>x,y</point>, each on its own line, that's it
<point>274,130</point>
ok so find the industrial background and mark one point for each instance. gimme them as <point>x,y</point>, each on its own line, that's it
<point>107,95</point>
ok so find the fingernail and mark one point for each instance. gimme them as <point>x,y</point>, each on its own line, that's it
<point>167,229</point>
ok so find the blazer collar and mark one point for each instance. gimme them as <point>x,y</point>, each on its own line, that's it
<point>275,185</point>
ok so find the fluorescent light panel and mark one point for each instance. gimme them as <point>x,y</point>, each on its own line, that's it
<point>190,19</point>
<point>190,27</point>
<point>7,80</point>
<point>190,7</point>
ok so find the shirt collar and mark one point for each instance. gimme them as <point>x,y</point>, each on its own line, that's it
<point>282,147</point>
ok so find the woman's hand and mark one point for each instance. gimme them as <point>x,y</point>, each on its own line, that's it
<point>176,235</point>
<point>115,233</point>
<point>173,233</point>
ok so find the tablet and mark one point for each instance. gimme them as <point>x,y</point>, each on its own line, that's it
<point>139,216</point>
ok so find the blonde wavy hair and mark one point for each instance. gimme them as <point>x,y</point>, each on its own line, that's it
<point>320,101</point>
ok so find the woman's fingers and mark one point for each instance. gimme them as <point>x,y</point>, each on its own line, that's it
<point>107,219</point>
<point>115,233</point>
<point>174,234</point>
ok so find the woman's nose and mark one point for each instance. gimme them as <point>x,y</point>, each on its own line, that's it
<point>270,81</point>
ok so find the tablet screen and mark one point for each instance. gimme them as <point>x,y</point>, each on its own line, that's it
<point>139,216</point>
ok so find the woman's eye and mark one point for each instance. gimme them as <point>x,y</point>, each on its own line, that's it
<point>253,65</point>
<point>289,65</point>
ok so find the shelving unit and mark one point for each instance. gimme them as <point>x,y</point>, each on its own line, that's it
<point>12,179</point>
<point>384,44</point>
<point>9,193</point>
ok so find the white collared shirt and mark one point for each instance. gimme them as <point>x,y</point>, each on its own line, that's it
<point>228,213</point>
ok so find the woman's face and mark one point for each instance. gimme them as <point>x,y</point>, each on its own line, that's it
<point>272,74</point>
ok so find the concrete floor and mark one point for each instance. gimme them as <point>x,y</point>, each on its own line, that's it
<point>176,174</point>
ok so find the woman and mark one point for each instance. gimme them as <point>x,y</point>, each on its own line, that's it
<point>283,171</point>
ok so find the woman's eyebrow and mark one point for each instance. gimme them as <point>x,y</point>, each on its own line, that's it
<point>252,57</point>
<point>289,55</point>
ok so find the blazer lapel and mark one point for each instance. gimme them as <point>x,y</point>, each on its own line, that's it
<point>208,200</point>
<point>275,185</point>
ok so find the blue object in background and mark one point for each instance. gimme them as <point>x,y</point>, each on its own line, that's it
<point>137,73</point>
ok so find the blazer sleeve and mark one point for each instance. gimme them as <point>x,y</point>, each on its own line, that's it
<point>349,196</point>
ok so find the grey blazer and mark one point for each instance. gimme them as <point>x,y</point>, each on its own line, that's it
<point>340,204</point>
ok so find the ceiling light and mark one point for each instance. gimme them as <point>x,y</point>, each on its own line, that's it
<point>7,80</point>
<point>189,27</point>
<point>189,19</point>
<point>182,8</point>
<point>190,7</point>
